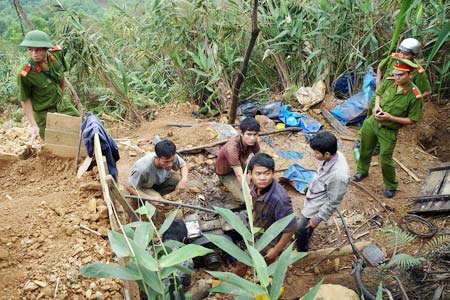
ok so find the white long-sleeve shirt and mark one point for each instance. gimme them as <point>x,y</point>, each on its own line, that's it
<point>328,188</point>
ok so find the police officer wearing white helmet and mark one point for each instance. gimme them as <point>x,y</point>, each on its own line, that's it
<point>409,49</point>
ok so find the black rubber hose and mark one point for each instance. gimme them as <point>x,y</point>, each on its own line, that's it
<point>359,261</point>
<point>358,268</point>
<point>410,218</point>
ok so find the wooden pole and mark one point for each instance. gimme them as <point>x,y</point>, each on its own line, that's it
<point>202,147</point>
<point>107,197</point>
<point>333,252</point>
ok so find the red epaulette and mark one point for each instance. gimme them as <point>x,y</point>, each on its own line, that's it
<point>395,55</point>
<point>25,70</point>
<point>56,48</point>
<point>420,70</point>
<point>417,93</point>
<point>38,69</point>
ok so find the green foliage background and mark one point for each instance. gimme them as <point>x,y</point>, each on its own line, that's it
<point>128,55</point>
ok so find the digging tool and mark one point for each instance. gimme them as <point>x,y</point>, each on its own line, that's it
<point>195,207</point>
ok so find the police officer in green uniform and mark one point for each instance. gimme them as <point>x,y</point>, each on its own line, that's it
<point>398,102</point>
<point>41,82</point>
<point>409,49</point>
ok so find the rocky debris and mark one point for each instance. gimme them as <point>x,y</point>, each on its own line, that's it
<point>91,186</point>
<point>16,143</point>
<point>30,286</point>
<point>4,254</point>
<point>335,291</point>
<point>102,212</point>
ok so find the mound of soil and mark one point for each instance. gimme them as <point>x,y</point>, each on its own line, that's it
<point>42,245</point>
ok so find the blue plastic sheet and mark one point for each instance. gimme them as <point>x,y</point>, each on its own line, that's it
<point>354,109</point>
<point>344,85</point>
<point>298,177</point>
<point>295,119</point>
<point>285,154</point>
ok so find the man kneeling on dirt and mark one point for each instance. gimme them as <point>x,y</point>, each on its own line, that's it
<point>233,155</point>
<point>270,204</point>
<point>152,175</point>
<point>326,190</point>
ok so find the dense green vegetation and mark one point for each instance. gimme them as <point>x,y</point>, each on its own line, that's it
<point>125,57</point>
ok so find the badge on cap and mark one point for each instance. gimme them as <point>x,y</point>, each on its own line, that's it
<point>404,65</point>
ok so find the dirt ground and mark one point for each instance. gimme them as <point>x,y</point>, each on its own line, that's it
<point>45,208</point>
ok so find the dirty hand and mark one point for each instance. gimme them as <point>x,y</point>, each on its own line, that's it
<point>181,186</point>
<point>310,225</point>
<point>383,117</point>
<point>271,254</point>
<point>34,132</point>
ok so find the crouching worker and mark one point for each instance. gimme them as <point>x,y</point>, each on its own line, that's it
<point>153,175</point>
<point>233,155</point>
<point>326,190</point>
<point>270,204</point>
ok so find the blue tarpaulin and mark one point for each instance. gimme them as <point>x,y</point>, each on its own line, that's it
<point>298,177</point>
<point>295,119</point>
<point>354,109</point>
<point>285,154</point>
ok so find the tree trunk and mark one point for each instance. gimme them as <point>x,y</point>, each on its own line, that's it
<point>22,13</point>
<point>240,75</point>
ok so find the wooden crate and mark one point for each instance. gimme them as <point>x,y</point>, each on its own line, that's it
<point>434,195</point>
<point>62,135</point>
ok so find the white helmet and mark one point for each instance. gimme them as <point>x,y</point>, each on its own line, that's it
<point>410,45</point>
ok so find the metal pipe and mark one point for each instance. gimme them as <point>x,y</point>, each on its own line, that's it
<point>171,203</point>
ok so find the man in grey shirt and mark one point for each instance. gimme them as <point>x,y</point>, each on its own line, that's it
<point>155,172</point>
<point>326,190</point>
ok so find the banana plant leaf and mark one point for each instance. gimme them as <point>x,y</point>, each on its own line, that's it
<point>230,248</point>
<point>167,222</point>
<point>143,234</point>
<point>260,266</point>
<point>233,279</point>
<point>99,270</point>
<point>273,231</point>
<point>235,222</point>
<point>182,254</point>
<point>119,244</point>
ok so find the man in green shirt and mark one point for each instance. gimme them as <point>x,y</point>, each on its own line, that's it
<point>398,102</point>
<point>409,48</point>
<point>41,82</point>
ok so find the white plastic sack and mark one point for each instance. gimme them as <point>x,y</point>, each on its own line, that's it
<point>309,96</point>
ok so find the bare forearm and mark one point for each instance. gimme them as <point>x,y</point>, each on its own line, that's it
<point>284,240</point>
<point>426,94</point>
<point>377,101</point>
<point>184,172</point>
<point>379,76</point>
